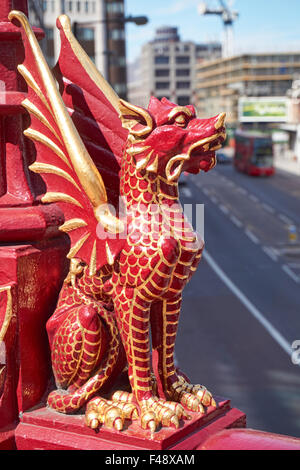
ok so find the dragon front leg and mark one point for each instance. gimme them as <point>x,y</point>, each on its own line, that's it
<point>164,319</point>
<point>133,317</point>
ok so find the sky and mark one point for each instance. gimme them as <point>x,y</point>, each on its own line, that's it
<point>262,25</point>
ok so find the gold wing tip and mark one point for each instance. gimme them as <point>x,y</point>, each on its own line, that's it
<point>18,15</point>
<point>64,22</point>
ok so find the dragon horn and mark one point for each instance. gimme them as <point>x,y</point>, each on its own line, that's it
<point>86,171</point>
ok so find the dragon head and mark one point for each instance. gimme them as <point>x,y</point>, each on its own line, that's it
<point>168,139</point>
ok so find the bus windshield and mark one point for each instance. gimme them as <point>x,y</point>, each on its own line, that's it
<point>263,153</point>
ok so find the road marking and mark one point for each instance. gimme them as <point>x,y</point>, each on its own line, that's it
<point>224,209</point>
<point>253,198</point>
<point>291,273</point>
<point>252,237</point>
<point>206,191</point>
<point>214,199</point>
<point>186,191</point>
<point>268,208</point>
<point>285,219</point>
<point>285,345</point>
<point>270,252</point>
<point>236,221</point>
<point>242,190</point>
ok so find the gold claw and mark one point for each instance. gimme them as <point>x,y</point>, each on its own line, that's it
<point>174,422</point>
<point>118,424</point>
<point>213,403</point>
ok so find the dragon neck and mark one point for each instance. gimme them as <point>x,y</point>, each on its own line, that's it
<point>146,187</point>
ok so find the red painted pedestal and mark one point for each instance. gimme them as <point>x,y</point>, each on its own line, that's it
<point>48,430</point>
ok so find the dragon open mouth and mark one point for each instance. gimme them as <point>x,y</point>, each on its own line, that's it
<point>209,144</point>
<point>201,154</point>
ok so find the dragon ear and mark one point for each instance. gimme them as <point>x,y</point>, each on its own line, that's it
<point>132,115</point>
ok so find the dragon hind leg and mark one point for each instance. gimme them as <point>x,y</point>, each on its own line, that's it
<point>78,346</point>
<point>84,355</point>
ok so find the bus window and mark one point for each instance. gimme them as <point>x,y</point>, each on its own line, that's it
<point>263,153</point>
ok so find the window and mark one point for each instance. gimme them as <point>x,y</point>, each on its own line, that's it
<point>182,59</point>
<point>78,6</point>
<point>70,5</point>
<point>44,5</point>
<point>115,7</point>
<point>86,7</point>
<point>49,33</point>
<point>181,85</point>
<point>116,34</point>
<point>162,72</point>
<point>120,88</point>
<point>182,72</point>
<point>161,59</point>
<point>183,100</point>
<point>162,85</point>
<point>85,34</point>
<point>118,61</point>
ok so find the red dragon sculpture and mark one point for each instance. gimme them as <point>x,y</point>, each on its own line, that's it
<point>113,168</point>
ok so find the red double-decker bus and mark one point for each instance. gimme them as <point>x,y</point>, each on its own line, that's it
<point>254,153</point>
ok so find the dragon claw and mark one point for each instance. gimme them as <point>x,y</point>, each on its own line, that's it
<point>193,397</point>
<point>155,412</point>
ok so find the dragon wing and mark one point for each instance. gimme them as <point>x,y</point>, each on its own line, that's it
<point>71,175</point>
<point>94,108</point>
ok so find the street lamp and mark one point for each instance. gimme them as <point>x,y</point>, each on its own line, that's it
<point>118,19</point>
<point>138,20</point>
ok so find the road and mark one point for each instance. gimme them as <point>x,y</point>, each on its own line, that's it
<point>241,311</point>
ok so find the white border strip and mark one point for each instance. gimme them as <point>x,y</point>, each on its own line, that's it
<point>283,343</point>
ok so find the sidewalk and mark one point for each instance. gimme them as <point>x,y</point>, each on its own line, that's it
<point>286,164</point>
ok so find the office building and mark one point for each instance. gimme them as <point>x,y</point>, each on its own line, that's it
<point>166,67</point>
<point>221,83</point>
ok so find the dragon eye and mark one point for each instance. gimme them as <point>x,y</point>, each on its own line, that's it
<point>181,120</point>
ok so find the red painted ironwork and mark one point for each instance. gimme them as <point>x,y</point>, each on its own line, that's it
<point>32,251</point>
<point>113,285</point>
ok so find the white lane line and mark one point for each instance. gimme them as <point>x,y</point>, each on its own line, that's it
<point>224,209</point>
<point>206,191</point>
<point>187,192</point>
<point>249,305</point>
<point>242,190</point>
<point>268,208</point>
<point>252,237</point>
<point>285,219</point>
<point>270,252</point>
<point>236,221</point>
<point>214,199</point>
<point>253,198</point>
<point>291,273</point>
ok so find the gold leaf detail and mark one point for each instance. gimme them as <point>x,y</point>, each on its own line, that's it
<point>154,165</point>
<point>31,108</point>
<point>140,165</point>
<point>8,313</point>
<point>60,197</point>
<point>93,261</point>
<point>45,168</point>
<point>136,150</point>
<point>39,137</point>
<point>74,250</point>
<point>72,224</point>
<point>32,84</point>
<point>109,255</point>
